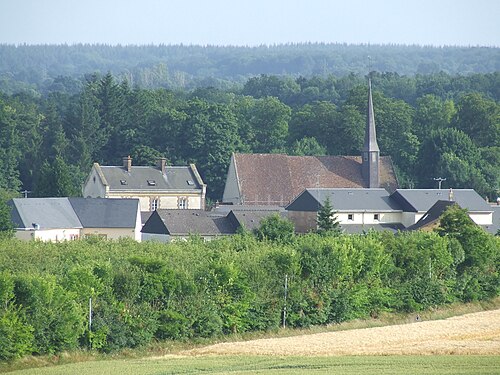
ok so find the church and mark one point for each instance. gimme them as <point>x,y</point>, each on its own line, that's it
<point>276,179</point>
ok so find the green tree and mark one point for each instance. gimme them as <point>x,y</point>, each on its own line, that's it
<point>479,118</point>
<point>307,147</point>
<point>327,223</point>
<point>56,180</point>
<point>276,229</point>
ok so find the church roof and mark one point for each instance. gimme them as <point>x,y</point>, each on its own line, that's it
<point>277,179</point>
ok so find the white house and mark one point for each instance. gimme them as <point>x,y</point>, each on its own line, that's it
<point>63,219</point>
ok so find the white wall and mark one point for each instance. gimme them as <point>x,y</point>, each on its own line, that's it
<point>94,187</point>
<point>48,235</point>
<point>482,218</point>
<point>369,217</point>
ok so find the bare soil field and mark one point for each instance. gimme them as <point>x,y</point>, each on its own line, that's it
<point>474,334</point>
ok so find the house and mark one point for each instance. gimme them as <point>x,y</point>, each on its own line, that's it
<point>415,203</point>
<point>276,179</point>
<point>61,219</point>
<point>431,218</point>
<point>108,218</point>
<point>171,225</point>
<point>356,210</point>
<point>160,187</point>
<point>45,219</point>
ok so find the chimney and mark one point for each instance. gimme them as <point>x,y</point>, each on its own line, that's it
<point>127,163</point>
<point>162,165</point>
<point>451,197</point>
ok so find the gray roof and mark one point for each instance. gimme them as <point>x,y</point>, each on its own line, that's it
<point>432,215</point>
<point>175,178</point>
<point>351,200</point>
<point>185,222</point>
<point>106,213</point>
<point>495,226</point>
<point>224,209</point>
<point>250,219</point>
<point>47,213</point>
<point>360,228</point>
<point>421,200</point>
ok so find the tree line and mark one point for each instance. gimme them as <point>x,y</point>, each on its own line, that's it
<point>142,292</point>
<point>48,67</point>
<point>432,126</point>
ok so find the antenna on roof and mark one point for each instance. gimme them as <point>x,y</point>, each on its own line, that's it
<point>439,180</point>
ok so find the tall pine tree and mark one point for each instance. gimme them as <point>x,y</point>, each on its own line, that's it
<point>328,224</point>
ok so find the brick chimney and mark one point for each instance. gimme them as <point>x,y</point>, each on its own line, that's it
<point>127,163</point>
<point>162,165</point>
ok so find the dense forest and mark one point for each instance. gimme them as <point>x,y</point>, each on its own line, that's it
<point>436,125</point>
<point>41,68</point>
<point>150,291</point>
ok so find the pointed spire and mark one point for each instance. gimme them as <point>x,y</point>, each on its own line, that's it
<point>370,133</point>
<point>370,152</point>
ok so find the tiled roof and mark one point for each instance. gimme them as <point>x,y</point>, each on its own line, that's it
<point>277,179</point>
<point>250,220</point>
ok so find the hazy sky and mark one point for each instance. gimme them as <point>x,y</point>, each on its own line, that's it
<point>250,22</point>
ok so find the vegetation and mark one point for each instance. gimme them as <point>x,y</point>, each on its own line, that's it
<point>428,365</point>
<point>47,68</point>
<point>328,223</point>
<point>146,291</point>
<point>432,126</point>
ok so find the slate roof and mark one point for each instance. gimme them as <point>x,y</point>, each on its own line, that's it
<point>106,213</point>
<point>175,178</point>
<point>185,222</point>
<point>421,200</point>
<point>47,213</point>
<point>495,226</point>
<point>363,228</point>
<point>65,213</point>
<point>351,200</point>
<point>432,215</point>
<point>251,219</point>
<point>278,178</point>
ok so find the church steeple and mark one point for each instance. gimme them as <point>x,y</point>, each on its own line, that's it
<point>370,153</point>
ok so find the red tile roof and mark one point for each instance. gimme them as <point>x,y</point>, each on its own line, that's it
<point>277,178</point>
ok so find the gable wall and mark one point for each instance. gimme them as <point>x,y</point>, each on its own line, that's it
<point>93,187</point>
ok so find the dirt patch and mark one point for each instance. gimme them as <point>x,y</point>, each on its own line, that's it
<point>477,333</point>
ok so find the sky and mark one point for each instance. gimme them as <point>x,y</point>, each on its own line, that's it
<point>251,22</point>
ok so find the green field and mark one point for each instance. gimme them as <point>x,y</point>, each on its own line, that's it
<point>280,365</point>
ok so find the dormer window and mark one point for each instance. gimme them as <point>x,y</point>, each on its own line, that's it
<point>151,183</point>
<point>190,182</point>
<point>123,182</point>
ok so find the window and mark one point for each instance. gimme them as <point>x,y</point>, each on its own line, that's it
<point>190,182</point>
<point>376,217</point>
<point>73,237</point>
<point>183,203</point>
<point>154,204</point>
<point>151,183</point>
<point>350,217</point>
<point>123,182</point>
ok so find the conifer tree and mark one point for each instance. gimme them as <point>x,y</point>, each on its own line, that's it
<point>328,224</point>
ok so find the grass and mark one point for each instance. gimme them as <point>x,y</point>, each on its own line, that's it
<point>281,365</point>
<point>82,361</point>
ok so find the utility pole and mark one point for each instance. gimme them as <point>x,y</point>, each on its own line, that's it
<point>284,307</point>
<point>439,180</point>
<point>90,322</point>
